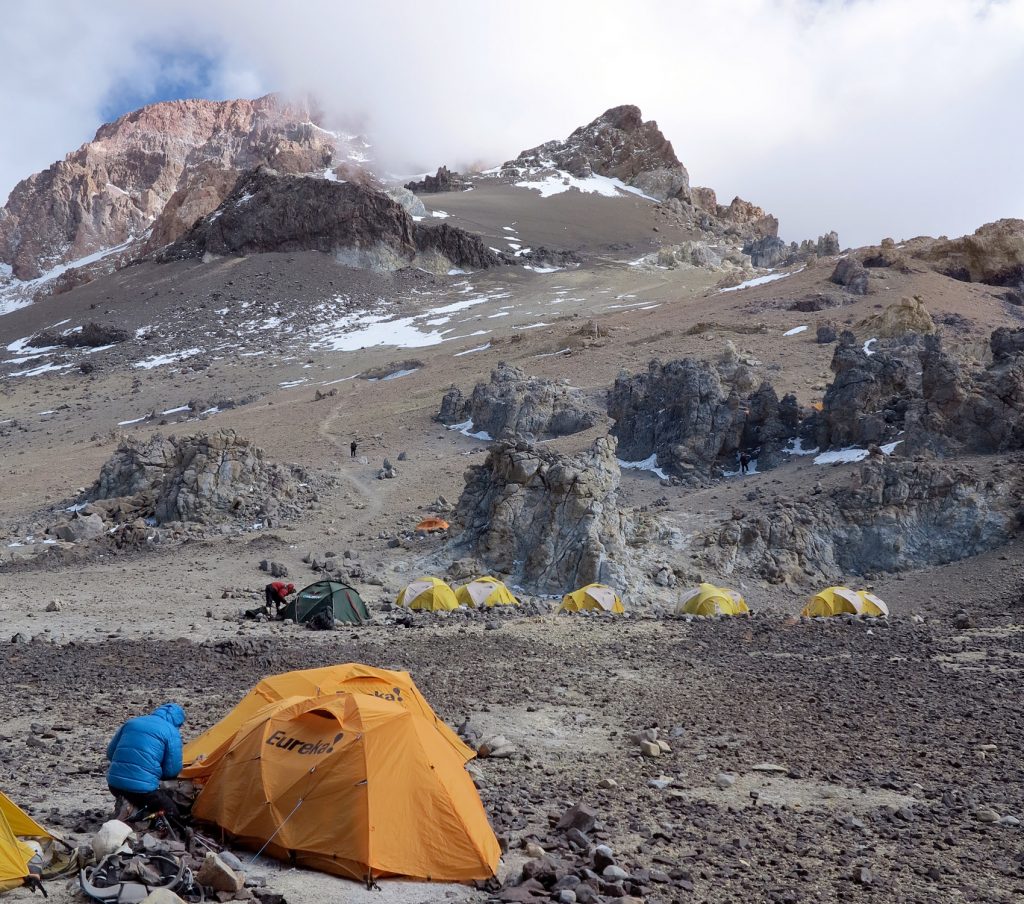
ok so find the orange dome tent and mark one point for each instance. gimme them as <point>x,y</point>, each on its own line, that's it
<point>351,784</point>
<point>352,677</point>
<point>429,525</point>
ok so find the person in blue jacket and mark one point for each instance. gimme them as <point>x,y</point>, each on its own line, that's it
<point>144,751</point>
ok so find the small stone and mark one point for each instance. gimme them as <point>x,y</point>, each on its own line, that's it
<point>862,875</point>
<point>650,748</point>
<point>533,850</point>
<point>725,780</point>
<point>607,784</point>
<point>985,814</point>
<point>768,767</point>
<point>578,816</point>
<point>218,875</point>
<point>963,621</point>
<point>1009,821</point>
<point>54,606</point>
<point>661,783</point>
<point>603,857</point>
<point>566,896</point>
<point>614,872</point>
<point>664,745</point>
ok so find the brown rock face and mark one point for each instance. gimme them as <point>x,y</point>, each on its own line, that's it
<point>993,254</point>
<point>618,144</point>
<point>161,166</point>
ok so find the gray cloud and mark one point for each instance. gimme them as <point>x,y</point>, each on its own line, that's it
<point>877,117</point>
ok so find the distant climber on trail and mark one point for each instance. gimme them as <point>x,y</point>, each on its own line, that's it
<point>352,448</point>
<point>146,750</point>
<point>744,463</point>
<point>276,594</point>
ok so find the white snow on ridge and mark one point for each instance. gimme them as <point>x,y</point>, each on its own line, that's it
<point>795,330</point>
<point>561,181</point>
<point>170,358</point>
<point>867,347</point>
<point>758,281</point>
<point>471,351</point>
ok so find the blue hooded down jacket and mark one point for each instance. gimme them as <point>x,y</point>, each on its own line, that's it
<point>146,749</point>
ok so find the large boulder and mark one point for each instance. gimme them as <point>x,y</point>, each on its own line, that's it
<point>682,413</point>
<point>204,478</point>
<point>512,404</point>
<point>894,515</point>
<point>908,315</point>
<point>851,274</point>
<point>548,519</point>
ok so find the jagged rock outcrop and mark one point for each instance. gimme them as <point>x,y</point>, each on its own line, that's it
<point>868,398</point>
<point>443,180</point>
<point>993,254</point>
<point>894,515</point>
<point>771,251</point>
<point>618,144</point>
<point>547,519</point>
<point>512,404</point>
<point>204,478</point>
<point>959,411</point>
<point>681,413</point>
<point>851,274</point>
<point>269,211</point>
<point>184,153</point>
<point>739,217</point>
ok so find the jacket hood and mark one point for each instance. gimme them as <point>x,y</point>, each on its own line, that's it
<point>172,713</point>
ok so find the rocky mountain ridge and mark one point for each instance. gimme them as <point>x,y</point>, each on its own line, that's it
<point>146,177</point>
<point>270,212</point>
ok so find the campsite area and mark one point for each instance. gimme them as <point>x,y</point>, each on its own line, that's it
<point>926,717</point>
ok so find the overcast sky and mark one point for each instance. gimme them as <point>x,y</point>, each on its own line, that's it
<point>888,118</point>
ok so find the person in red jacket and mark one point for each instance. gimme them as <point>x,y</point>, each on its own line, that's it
<point>276,594</point>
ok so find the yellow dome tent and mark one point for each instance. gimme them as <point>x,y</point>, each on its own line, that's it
<point>429,594</point>
<point>353,677</point>
<point>707,599</point>
<point>15,854</point>
<point>597,597</point>
<point>351,784</point>
<point>485,591</point>
<point>844,601</point>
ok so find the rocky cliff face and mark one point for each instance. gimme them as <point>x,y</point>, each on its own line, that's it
<point>271,212</point>
<point>620,145</point>
<point>549,520</point>
<point>178,157</point>
<point>694,424</point>
<point>514,405</point>
<point>895,515</point>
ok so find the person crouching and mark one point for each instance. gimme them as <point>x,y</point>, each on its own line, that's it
<point>143,752</point>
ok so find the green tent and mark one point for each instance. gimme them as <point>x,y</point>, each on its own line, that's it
<point>323,597</point>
